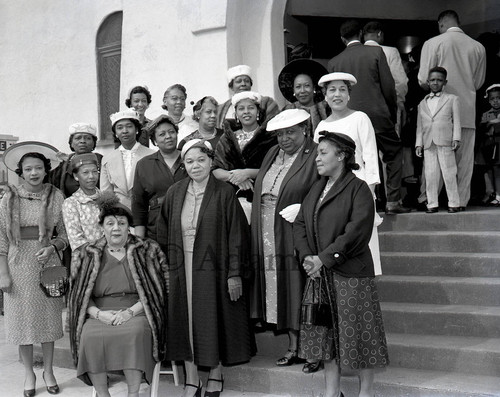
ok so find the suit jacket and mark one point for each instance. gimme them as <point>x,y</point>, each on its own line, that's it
<point>375,92</point>
<point>340,231</point>
<point>443,126</point>
<point>465,61</point>
<point>113,173</point>
<point>396,66</point>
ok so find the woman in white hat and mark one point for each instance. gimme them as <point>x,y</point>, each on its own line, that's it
<point>82,139</point>
<point>239,79</point>
<point>298,82</point>
<point>286,174</point>
<point>30,214</point>
<point>118,167</point>
<point>203,231</point>
<point>356,125</point>
<point>239,154</point>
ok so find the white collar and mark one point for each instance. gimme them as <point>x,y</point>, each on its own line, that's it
<point>353,42</point>
<point>372,42</point>
<point>454,29</point>
<point>134,148</point>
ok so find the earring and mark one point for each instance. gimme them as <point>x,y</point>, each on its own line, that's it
<point>348,97</point>
<point>294,94</point>
<point>314,92</point>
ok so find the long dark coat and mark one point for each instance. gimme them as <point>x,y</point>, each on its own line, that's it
<point>343,229</point>
<point>291,277</point>
<point>152,180</point>
<point>220,327</point>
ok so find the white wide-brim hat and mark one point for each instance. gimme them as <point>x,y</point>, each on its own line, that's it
<point>240,70</point>
<point>287,118</point>
<point>490,88</point>
<point>337,76</point>
<point>14,153</point>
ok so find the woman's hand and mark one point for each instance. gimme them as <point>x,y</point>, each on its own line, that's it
<point>5,282</point>
<point>312,265</point>
<point>235,288</point>
<point>290,213</point>
<point>44,254</point>
<point>246,185</point>
<point>122,317</point>
<point>107,316</point>
<point>237,177</point>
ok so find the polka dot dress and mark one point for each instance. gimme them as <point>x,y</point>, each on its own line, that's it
<point>357,340</point>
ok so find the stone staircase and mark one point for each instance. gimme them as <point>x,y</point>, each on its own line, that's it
<point>440,296</point>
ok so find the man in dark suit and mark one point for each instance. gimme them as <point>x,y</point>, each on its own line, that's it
<point>375,95</point>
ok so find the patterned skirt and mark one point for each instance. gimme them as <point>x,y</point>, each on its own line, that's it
<point>357,339</point>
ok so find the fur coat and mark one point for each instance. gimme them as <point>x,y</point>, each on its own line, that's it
<point>147,264</point>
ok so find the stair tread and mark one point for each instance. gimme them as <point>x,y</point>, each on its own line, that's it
<point>409,377</point>
<point>442,309</point>
<point>442,254</point>
<point>492,281</point>
<point>461,343</point>
<point>492,233</point>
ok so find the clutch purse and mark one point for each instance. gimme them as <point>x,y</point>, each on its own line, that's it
<point>315,309</point>
<point>54,280</point>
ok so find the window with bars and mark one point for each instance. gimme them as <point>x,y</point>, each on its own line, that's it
<point>108,48</point>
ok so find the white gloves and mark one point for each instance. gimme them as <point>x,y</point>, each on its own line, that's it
<point>290,213</point>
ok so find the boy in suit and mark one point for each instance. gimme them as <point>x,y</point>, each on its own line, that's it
<point>438,137</point>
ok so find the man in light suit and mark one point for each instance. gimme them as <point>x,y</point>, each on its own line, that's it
<point>465,61</point>
<point>375,95</point>
<point>118,167</point>
<point>439,134</point>
<point>373,35</point>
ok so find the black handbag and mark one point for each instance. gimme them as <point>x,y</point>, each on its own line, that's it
<point>54,280</point>
<point>315,309</point>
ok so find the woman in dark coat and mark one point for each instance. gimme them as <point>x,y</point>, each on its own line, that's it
<point>331,235</point>
<point>203,231</point>
<point>286,174</point>
<point>154,174</point>
<point>239,154</point>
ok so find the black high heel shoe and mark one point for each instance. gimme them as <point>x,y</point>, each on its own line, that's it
<point>198,388</point>
<point>311,367</point>
<point>30,392</point>
<point>215,393</point>
<point>51,389</point>
<point>291,357</point>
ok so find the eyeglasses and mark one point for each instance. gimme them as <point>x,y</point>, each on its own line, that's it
<point>177,98</point>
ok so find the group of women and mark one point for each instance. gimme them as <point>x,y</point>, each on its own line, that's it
<point>235,211</point>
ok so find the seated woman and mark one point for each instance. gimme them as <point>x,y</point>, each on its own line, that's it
<point>205,113</point>
<point>331,235</point>
<point>116,324</point>
<point>139,99</point>
<point>298,82</point>
<point>239,79</point>
<point>80,211</point>
<point>174,102</point>
<point>203,231</point>
<point>154,174</point>
<point>239,154</point>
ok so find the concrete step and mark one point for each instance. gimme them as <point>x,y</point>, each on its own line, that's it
<point>265,377</point>
<point>443,241</point>
<point>472,355</point>
<point>440,290</point>
<point>463,264</point>
<point>476,219</point>
<point>454,320</point>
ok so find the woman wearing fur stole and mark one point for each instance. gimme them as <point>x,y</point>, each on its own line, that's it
<point>30,214</point>
<point>117,303</point>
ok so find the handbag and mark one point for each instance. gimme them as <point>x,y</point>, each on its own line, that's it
<point>315,309</point>
<point>54,280</point>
